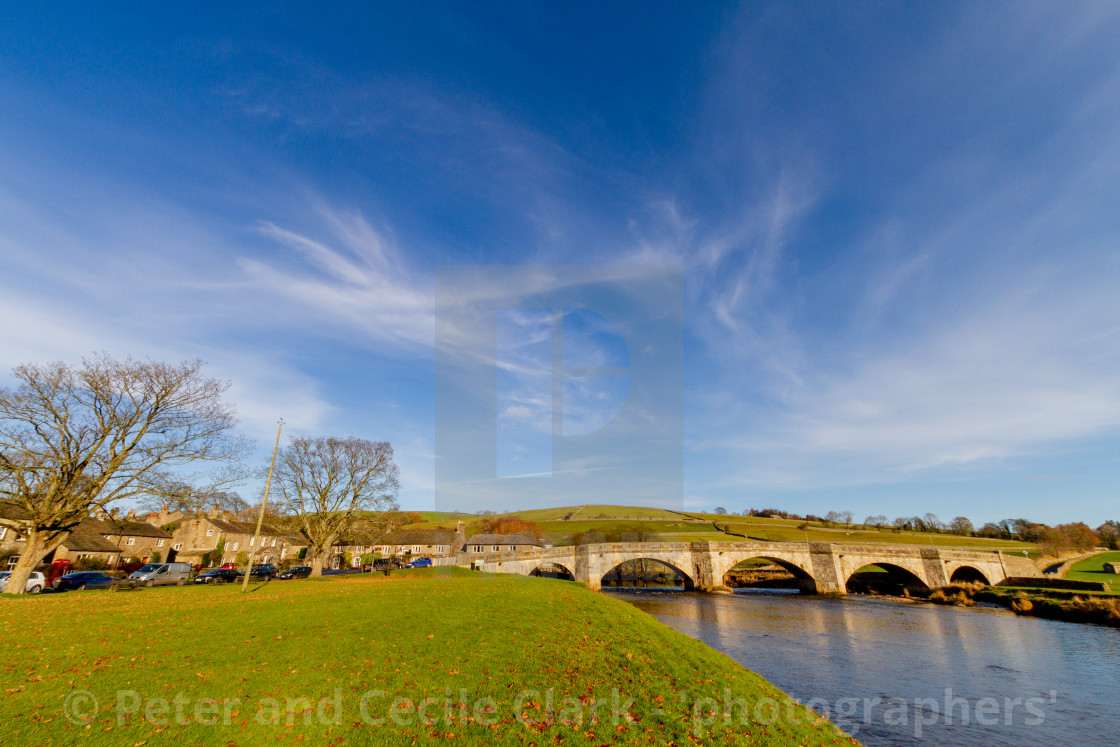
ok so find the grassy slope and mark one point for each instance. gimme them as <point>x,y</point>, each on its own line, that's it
<point>414,635</point>
<point>1092,569</point>
<point>692,527</point>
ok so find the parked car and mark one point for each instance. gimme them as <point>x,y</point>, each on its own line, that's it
<point>36,582</point>
<point>267,570</point>
<point>382,564</point>
<point>420,563</point>
<point>299,571</point>
<point>83,580</point>
<point>217,576</point>
<point>162,574</point>
<point>232,566</point>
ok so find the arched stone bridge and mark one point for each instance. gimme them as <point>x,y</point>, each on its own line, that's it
<point>821,567</point>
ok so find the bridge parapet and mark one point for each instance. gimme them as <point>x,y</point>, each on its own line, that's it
<point>820,567</point>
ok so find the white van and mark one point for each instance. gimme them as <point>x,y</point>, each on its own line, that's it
<point>162,574</point>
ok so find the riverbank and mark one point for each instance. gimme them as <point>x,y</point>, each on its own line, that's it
<point>1101,609</point>
<point>423,655</point>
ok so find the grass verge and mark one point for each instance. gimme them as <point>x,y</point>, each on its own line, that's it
<point>355,660</point>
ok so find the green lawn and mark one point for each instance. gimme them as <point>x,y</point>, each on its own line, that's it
<point>325,660</point>
<point>1092,569</point>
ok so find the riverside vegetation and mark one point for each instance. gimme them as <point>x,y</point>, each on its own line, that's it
<point>1103,608</point>
<point>488,659</point>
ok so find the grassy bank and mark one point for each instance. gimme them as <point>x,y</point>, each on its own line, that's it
<point>1082,607</point>
<point>353,659</point>
<point>1092,569</point>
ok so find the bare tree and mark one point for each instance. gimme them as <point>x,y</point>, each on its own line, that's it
<point>192,499</point>
<point>76,438</point>
<point>322,482</point>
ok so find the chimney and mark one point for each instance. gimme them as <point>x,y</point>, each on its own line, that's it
<point>215,511</point>
<point>131,514</point>
<point>460,538</point>
<point>114,513</point>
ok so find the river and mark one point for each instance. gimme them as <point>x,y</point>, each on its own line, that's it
<point>1017,680</point>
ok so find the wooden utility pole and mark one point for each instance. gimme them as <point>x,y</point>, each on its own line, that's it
<point>264,502</point>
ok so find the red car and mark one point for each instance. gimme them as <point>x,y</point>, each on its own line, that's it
<point>231,566</point>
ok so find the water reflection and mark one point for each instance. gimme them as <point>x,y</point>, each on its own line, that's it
<point>845,647</point>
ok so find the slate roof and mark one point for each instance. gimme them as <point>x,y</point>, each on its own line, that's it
<point>126,528</point>
<point>86,537</point>
<point>417,537</point>
<point>13,512</point>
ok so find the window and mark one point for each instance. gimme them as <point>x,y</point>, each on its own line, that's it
<point>273,542</point>
<point>209,532</point>
<point>416,548</point>
<point>497,548</point>
<point>439,548</point>
<point>130,541</point>
<point>235,546</point>
<point>159,543</point>
<point>3,532</point>
<point>283,552</point>
<point>20,538</point>
<point>84,556</point>
<point>177,546</point>
<point>513,547</point>
<point>252,540</point>
<point>12,560</point>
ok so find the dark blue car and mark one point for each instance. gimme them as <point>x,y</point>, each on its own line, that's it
<point>420,563</point>
<point>83,580</point>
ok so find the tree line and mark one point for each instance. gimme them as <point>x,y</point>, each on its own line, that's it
<point>76,438</point>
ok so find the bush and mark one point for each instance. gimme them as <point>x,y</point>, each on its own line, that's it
<point>88,564</point>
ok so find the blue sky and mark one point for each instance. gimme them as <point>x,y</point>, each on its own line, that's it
<point>899,226</point>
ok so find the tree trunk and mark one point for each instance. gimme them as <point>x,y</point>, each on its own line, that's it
<point>35,549</point>
<point>316,562</point>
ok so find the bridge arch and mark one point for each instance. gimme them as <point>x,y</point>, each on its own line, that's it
<point>688,581</point>
<point>967,574</point>
<point>882,577</point>
<point>805,581</point>
<point>548,569</point>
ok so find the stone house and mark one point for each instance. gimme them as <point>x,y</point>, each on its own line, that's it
<point>84,543</point>
<point>434,543</point>
<point>134,539</point>
<point>196,536</point>
<point>484,543</point>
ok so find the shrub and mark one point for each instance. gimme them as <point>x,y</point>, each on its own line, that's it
<point>88,564</point>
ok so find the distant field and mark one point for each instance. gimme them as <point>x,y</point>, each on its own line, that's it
<point>744,519</point>
<point>556,529</point>
<point>595,511</point>
<point>691,527</point>
<point>1092,569</point>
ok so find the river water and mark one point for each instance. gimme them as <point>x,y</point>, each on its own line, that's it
<point>1007,680</point>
